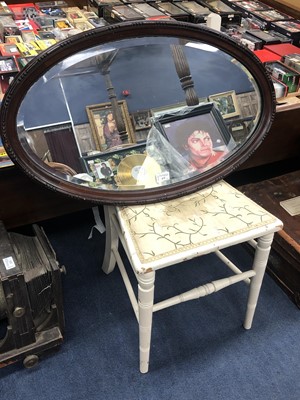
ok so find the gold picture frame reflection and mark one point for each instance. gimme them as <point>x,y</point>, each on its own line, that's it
<point>103,126</point>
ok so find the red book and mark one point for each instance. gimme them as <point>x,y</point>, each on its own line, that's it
<point>283,49</point>
<point>266,55</point>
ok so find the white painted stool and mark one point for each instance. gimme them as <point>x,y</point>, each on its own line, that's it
<point>160,235</point>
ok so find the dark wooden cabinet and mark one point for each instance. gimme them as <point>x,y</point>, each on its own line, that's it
<point>282,142</point>
<point>284,262</point>
<point>24,201</point>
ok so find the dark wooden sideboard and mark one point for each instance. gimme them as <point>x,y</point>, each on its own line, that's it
<point>284,262</point>
<point>283,140</point>
<point>24,201</point>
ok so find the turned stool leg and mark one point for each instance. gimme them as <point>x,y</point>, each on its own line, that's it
<point>259,266</point>
<point>111,241</point>
<point>146,297</point>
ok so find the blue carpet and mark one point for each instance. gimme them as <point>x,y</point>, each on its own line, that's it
<point>199,349</point>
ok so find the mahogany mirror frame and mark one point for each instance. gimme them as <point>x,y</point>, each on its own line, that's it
<point>45,175</point>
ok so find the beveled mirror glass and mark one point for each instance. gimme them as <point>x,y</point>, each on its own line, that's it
<point>137,112</point>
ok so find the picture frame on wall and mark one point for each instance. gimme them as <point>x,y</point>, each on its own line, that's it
<point>103,126</point>
<point>141,120</point>
<point>226,103</point>
<point>200,136</point>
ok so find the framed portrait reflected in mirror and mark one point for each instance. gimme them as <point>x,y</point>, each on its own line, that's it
<point>199,135</point>
<point>141,121</point>
<point>226,103</point>
<point>104,127</point>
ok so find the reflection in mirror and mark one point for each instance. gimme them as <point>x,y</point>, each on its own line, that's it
<point>139,113</point>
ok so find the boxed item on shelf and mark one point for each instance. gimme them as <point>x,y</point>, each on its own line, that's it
<point>43,21</point>
<point>280,36</point>
<point>28,36</point>
<point>27,25</point>
<point>264,36</point>
<point>13,39</point>
<point>227,13</point>
<point>98,5</point>
<point>22,61</point>
<point>121,13</point>
<point>63,24</point>
<point>8,27</point>
<point>5,161</point>
<point>8,64</point>
<point>27,49</point>
<point>283,49</point>
<point>98,21</point>
<point>289,28</point>
<point>172,10</point>
<point>9,49</point>
<point>246,7</point>
<point>253,43</point>
<point>51,4</point>
<point>292,60</point>
<point>23,11</point>
<point>89,14</point>
<point>266,55</point>
<point>147,11</point>
<point>284,74</point>
<point>4,9</point>
<point>52,13</point>
<point>198,13</point>
<point>281,90</point>
<point>270,16</point>
<point>74,14</point>
<point>84,25</point>
<point>45,43</point>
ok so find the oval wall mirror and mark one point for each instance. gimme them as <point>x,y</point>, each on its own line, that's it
<point>137,112</point>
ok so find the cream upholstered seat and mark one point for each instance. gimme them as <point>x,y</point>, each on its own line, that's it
<point>160,235</point>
